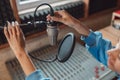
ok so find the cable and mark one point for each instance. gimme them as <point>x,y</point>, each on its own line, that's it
<point>51,11</point>
<point>47,60</point>
<point>34,20</point>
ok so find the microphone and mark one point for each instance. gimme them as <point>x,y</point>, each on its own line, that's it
<point>52,29</point>
<point>52,32</point>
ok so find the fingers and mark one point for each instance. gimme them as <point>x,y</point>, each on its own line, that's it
<point>6,33</point>
<point>11,30</point>
<point>17,28</point>
<point>57,17</point>
<point>48,17</point>
<point>62,12</point>
<point>111,50</point>
<point>54,18</point>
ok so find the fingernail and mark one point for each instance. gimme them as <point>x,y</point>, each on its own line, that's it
<point>16,23</point>
<point>8,23</point>
<point>13,23</point>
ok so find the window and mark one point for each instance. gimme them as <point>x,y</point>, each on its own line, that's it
<point>29,4</point>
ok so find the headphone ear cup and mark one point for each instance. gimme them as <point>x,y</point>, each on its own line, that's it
<point>66,47</point>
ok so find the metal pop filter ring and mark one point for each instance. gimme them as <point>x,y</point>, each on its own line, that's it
<point>65,49</point>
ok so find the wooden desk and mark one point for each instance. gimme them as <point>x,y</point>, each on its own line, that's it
<point>111,33</point>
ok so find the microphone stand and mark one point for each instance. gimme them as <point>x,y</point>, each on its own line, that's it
<point>51,30</point>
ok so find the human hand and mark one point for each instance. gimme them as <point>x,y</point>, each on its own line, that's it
<point>64,17</point>
<point>114,58</point>
<point>67,19</point>
<point>15,37</point>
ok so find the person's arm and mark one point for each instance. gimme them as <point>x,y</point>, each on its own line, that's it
<point>65,18</point>
<point>97,46</point>
<point>26,63</point>
<point>16,41</point>
<point>95,43</point>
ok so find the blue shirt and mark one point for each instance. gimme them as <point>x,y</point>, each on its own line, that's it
<point>37,75</point>
<point>97,46</point>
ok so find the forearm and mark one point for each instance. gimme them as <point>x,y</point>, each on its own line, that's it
<point>80,28</point>
<point>16,41</point>
<point>25,63</point>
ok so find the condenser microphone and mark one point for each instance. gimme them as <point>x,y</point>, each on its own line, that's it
<point>52,32</point>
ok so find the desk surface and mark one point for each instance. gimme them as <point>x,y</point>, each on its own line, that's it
<point>111,33</point>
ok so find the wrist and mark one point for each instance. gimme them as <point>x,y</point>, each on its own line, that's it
<point>20,53</point>
<point>81,28</point>
<point>25,62</point>
<point>74,23</point>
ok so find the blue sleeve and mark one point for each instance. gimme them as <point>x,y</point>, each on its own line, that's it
<point>118,78</point>
<point>37,75</point>
<point>97,46</point>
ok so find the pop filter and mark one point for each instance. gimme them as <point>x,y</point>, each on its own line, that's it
<point>66,47</point>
